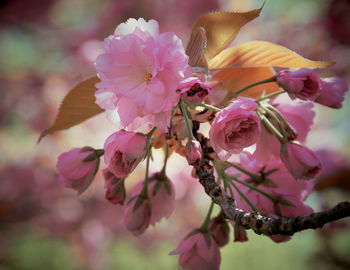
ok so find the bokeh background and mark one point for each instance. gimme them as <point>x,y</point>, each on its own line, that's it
<point>47,46</point>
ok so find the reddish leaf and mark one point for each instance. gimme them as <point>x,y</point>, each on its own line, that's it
<point>196,51</point>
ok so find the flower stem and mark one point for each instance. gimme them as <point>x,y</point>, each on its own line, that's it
<point>270,126</point>
<point>165,160</point>
<point>250,174</point>
<point>272,79</point>
<point>270,95</point>
<point>210,107</point>
<point>187,120</point>
<point>244,197</point>
<point>205,226</point>
<point>150,133</point>
<point>145,184</point>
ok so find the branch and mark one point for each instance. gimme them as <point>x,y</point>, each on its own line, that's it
<point>258,223</point>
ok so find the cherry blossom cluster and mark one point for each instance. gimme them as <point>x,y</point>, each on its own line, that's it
<point>259,151</point>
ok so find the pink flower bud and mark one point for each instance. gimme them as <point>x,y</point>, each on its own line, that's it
<point>193,90</point>
<point>235,127</point>
<point>302,83</point>
<point>77,168</point>
<point>300,161</point>
<point>240,234</point>
<point>193,152</point>
<point>198,251</point>
<point>137,215</point>
<point>332,92</point>
<point>115,188</point>
<point>220,230</point>
<point>123,152</point>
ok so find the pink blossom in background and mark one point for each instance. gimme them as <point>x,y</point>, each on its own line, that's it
<point>194,91</point>
<point>196,254</point>
<point>332,92</point>
<point>299,114</point>
<point>142,68</point>
<point>137,215</point>
<point>235,127</point>
<point>115,188</point>
<point>76,172</point>
<point>161,193</point>
<point>193,151</point>
<point>301,83</point>
<point>301,162</point>
<point>280,184</point>
<point>123,152</point>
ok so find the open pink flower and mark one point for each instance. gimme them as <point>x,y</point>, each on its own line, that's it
<point>332,92</point>
<point>77,168</point>
<point>115,188</point>
<point>141,70</point>
<point>195,253</point>
<point>301,162</point>
<point>123,152</point>
<point>302,83</point>
<point>193,90</point>
<point>235,127</point>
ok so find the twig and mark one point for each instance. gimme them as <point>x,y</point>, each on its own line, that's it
<point>258,223</point>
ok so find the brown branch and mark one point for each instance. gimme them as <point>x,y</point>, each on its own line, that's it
<point>258,223</point>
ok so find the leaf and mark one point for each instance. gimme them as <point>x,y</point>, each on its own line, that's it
<point>262,54</point>
<point>222,27</point>
<point>195,50</point>
<point>234,79</point>
<point>77,106</point>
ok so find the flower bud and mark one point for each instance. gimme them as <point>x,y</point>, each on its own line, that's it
<point>77,168</point>
<point>240,234</point>
<point>332,92</point>
<point>115,188</point>
<point>193,152</point>
<point>300,161</point>
<point>193,90</point>
<point>137,215</point>
<point>123,152</point>
<point>220,230</point>
<point>302,83</point>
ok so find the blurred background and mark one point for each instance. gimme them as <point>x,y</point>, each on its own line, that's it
<point>47,46</point>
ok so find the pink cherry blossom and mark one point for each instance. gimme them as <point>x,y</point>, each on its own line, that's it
<point>193,90</point>
<point>137,215</point>
<point>140,70</point>
<point>115,188</point>
<point>235,127</point>
<point>193,152</point>
<point>302,83</point>
<point>123,152</point>
<point>161,193</point>
<point>77,168</point>
<point>220,231</point>
<point>301,162</point>
<point>196,254</point>
<point>332,92</point>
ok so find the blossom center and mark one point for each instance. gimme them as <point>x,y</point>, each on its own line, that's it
<point>147,77</point>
